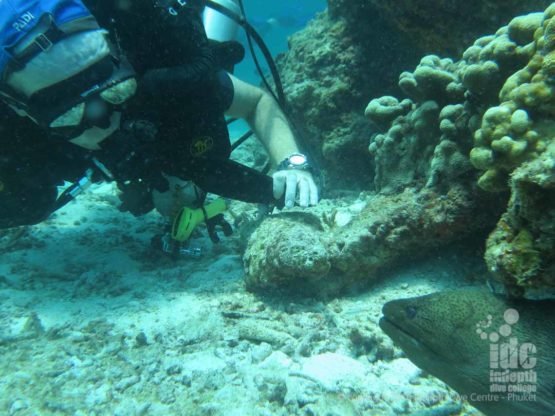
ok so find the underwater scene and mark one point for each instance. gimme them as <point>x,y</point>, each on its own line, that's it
<point>277,207</point>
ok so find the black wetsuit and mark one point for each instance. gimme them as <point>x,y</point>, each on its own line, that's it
<point>174,123</point>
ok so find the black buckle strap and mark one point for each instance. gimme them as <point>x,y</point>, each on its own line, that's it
<point>71,87</point>
<point>41,43</point>
<point>44,41</point>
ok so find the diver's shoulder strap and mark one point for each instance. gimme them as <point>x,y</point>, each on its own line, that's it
<point>24,22</point>
<point>45,40</point>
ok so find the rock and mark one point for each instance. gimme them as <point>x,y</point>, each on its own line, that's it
<point>99,396</point>
<point>261,352</point>
<point>330,368</point>
<point>283,251</point>
<point>386,231</point>
<point>126,382</point>
<point>141,339</point>
<point>258,332</point>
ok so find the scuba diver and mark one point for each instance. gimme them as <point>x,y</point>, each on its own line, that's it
<point>132,92</point>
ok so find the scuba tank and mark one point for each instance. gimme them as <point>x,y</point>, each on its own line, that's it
<point>219,26</point>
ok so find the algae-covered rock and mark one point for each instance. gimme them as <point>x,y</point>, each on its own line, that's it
<point>444,26</point>
<point>447,164</point>
<point>327,75</point>
<point>521,250</point>
<point>287,249</point>
<point>315,254</point>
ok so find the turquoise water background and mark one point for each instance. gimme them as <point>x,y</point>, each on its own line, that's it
<point>275,37</point>
<point>258,11</point>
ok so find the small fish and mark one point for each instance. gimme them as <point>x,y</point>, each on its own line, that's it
<point>471,338</point>
<point>293,18</point>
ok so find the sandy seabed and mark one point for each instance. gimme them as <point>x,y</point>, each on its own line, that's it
<point>93,321</point>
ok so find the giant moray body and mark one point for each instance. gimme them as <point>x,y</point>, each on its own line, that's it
<point>452,335</point>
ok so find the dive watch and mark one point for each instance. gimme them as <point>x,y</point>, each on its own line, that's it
<point>295,161</point>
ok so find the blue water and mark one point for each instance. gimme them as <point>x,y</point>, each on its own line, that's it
<point>259,12</point>
<point>275,21</point>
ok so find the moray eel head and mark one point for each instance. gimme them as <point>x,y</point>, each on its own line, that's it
<point>453,335</point>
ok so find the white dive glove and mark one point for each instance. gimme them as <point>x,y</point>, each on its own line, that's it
<point>298,185</point>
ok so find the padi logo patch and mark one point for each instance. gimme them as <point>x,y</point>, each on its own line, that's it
<point>23,21</point>
<point>201,145</point>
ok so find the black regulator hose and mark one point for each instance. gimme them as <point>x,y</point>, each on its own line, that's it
<point>279,94</point>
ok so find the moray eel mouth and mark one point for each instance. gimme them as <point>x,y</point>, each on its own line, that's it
<point>403,337</point>
<point>398,333</point>
<point>392,322</point>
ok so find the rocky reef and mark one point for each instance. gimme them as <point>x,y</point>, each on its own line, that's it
<point>327,94</point>
<point>495,105</point>
<point>443,26</point>
<point>521,251</point>
<point>473,137</point>
<point>356,50</point>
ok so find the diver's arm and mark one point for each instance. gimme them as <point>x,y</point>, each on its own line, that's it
<point>195,66</point>
<point>265,118</point>
<point>165,81</point>
<point>270,125</point>
<point>201,57</point>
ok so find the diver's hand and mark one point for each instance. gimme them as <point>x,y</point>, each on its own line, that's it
<point>296,185</point>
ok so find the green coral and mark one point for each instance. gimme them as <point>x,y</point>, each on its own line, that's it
<point>384,110</point>
<point>496,110</point>
<point>522,28</point>
<point>513,255</point>
<point>433,79</point>
<point>515,149</point>
<point>514,132</point>
<point>503,142</point>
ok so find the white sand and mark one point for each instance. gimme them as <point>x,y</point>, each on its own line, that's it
<point>94,322</point>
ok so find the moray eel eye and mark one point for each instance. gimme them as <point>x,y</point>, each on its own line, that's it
<point>411,312</point>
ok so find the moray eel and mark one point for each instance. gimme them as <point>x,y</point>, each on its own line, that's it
<point>498,354</point>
